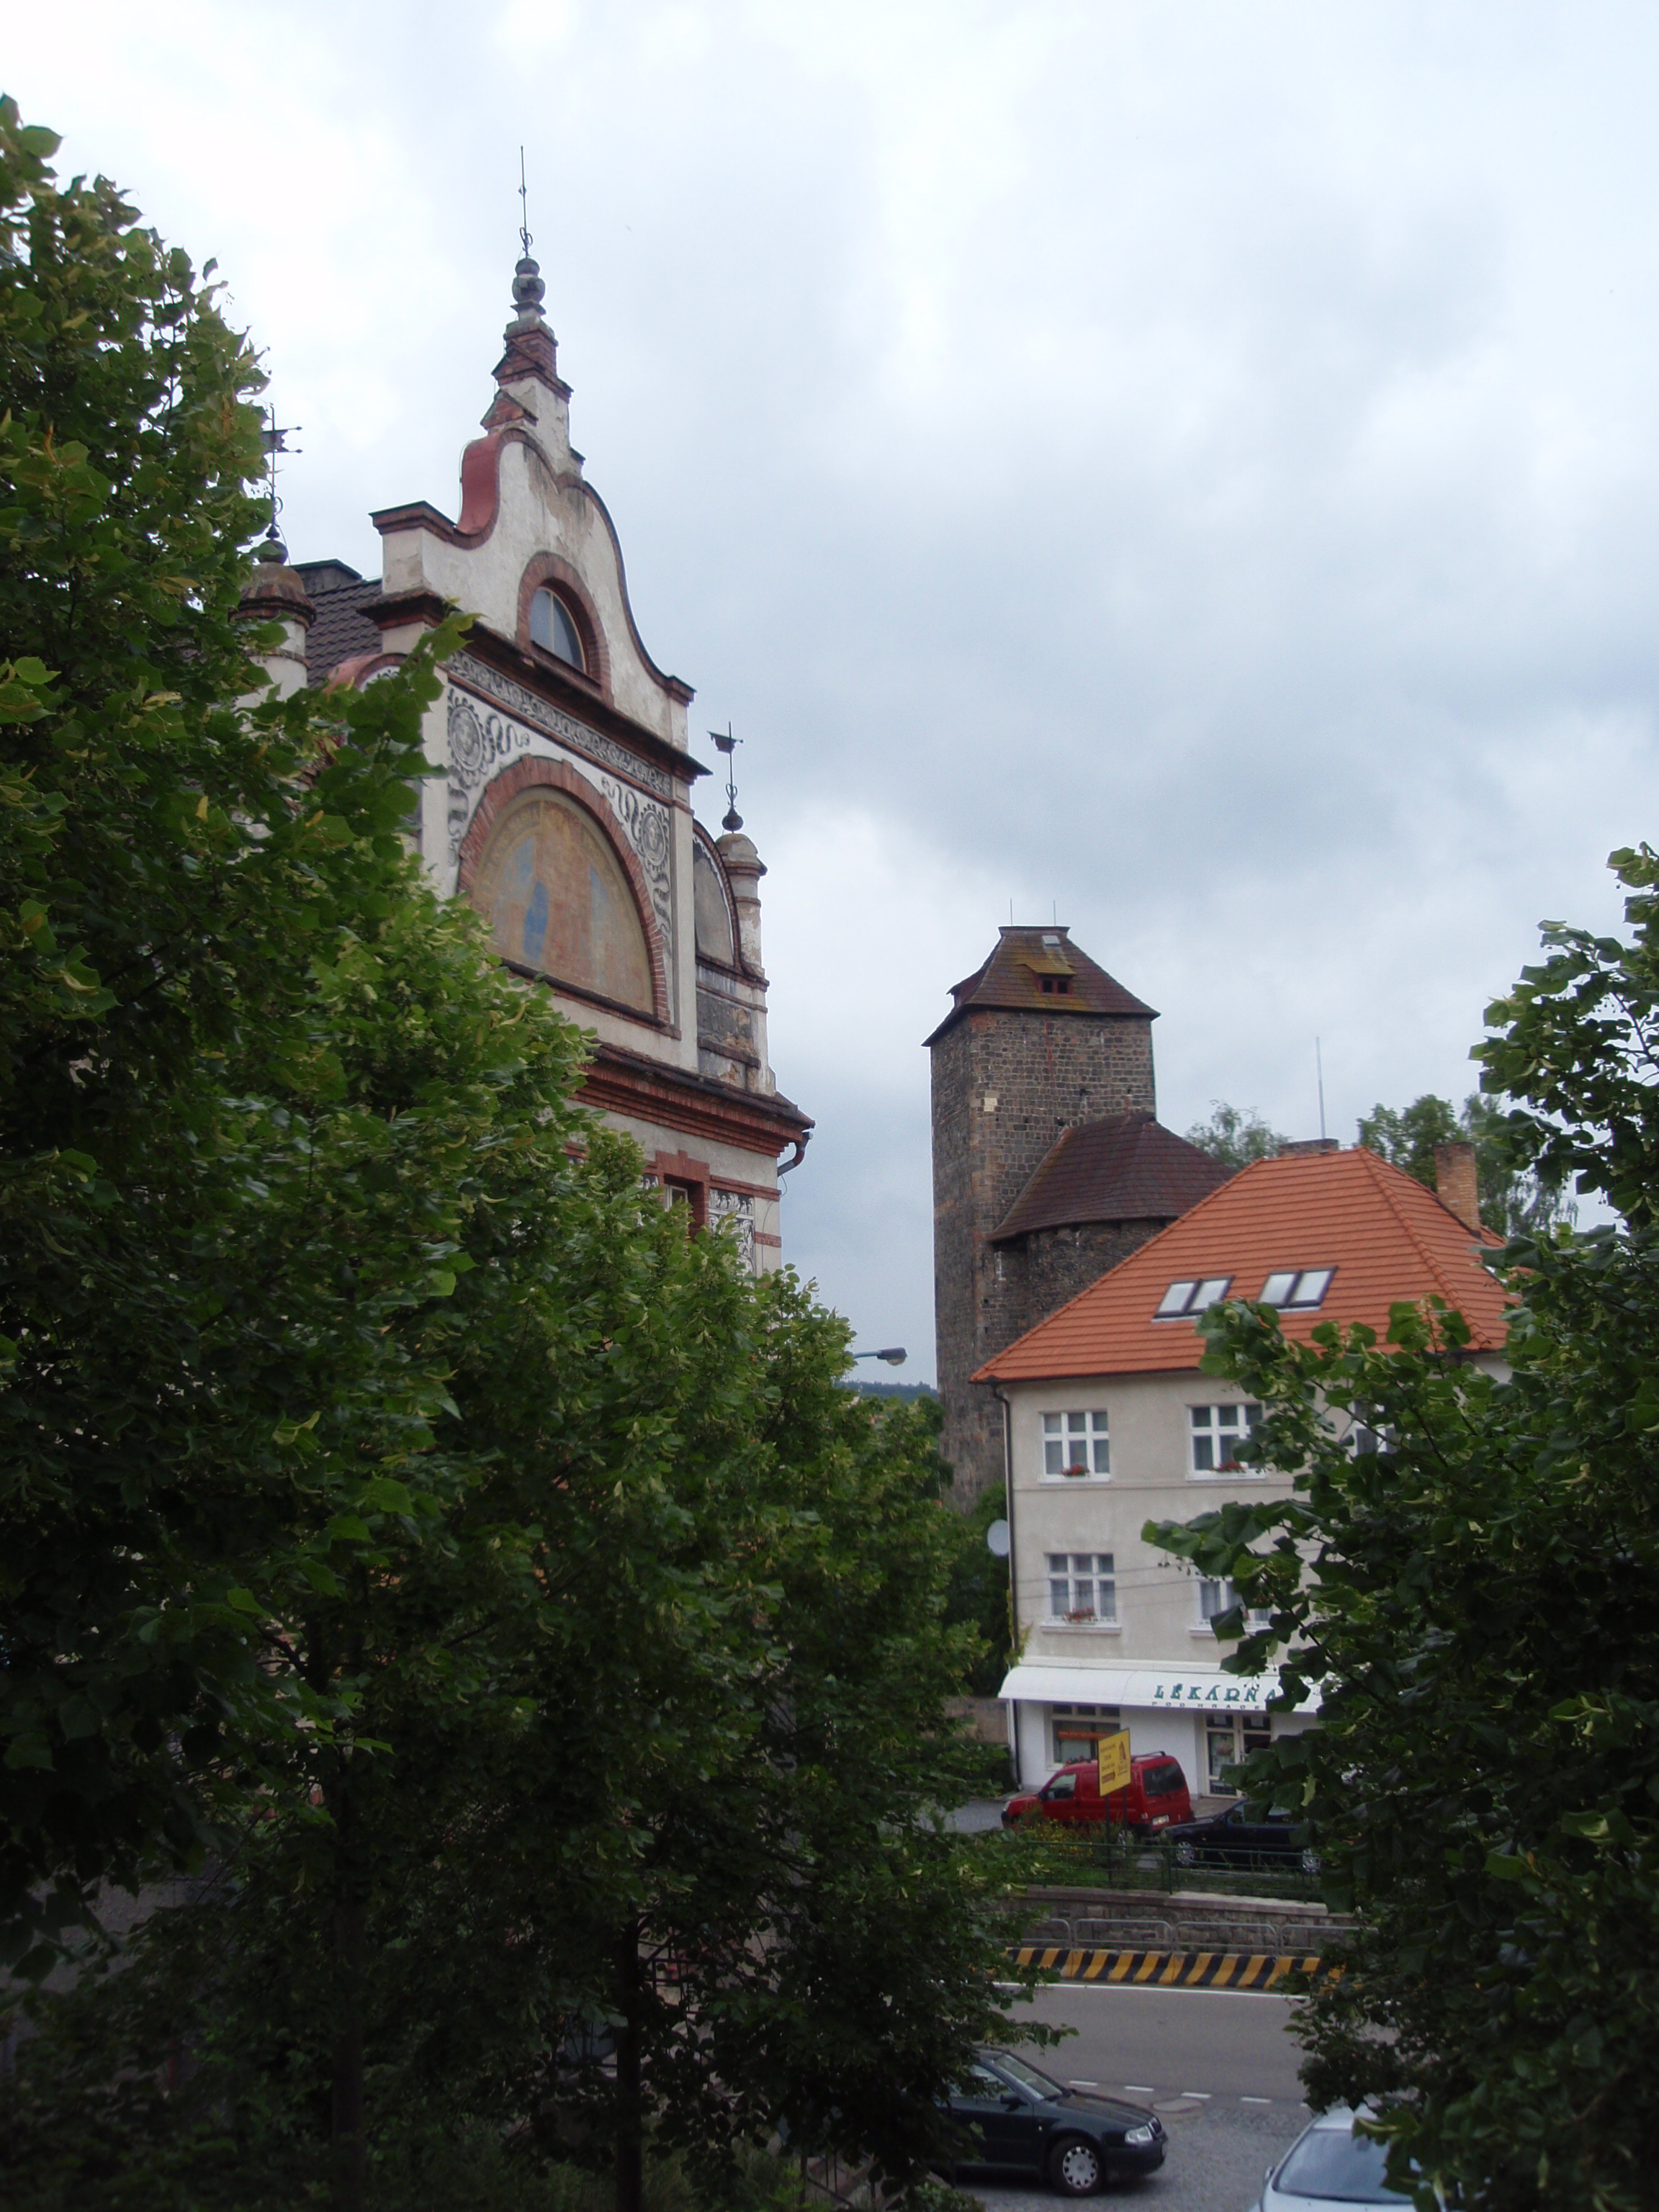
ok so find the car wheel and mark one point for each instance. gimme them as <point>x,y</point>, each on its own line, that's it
<point>1310,1862</point>
<point>1074,2167</point>
<point>1185,1855</point>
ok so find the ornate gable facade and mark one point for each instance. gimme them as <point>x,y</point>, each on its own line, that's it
<point>564,814</point>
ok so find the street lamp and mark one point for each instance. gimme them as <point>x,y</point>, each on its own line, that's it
<point>893,1355</point>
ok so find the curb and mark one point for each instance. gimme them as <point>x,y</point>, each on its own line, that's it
<point>1258,1971</point>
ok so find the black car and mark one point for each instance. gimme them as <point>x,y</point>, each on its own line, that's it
<point>1231,1839</point>
<point>1014,2118</point>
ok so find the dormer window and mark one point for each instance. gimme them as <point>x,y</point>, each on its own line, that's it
<point>1056,987</point>
<point>1184,1299</point>
<point>551,627</point>
<point>1295,1288</point>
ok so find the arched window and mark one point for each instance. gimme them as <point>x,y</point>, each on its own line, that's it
<point>557,900</point>
<point>551,627</point>
<point>713,917</point>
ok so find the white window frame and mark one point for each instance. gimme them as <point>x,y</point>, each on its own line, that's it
<point>1216,1597</point>
<point>1189,1296</point>
<point>1086,1582</point>
<point>1296,1290</point>
<point>1216,1432</point>
<point>1063,1433</point>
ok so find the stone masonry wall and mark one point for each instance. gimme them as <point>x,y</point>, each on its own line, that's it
<point>1005,1083</point>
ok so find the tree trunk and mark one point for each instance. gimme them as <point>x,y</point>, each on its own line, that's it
<point>631,2102</point>
<point>348,2173</point>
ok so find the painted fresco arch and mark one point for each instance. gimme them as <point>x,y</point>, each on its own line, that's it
<point>545,861</point>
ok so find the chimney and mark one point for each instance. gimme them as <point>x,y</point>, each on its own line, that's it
<point>1454,1180</point>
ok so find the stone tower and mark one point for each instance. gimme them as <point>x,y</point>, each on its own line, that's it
<point>1048,1166</point>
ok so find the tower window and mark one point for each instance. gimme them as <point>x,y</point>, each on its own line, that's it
<point>551,627</point>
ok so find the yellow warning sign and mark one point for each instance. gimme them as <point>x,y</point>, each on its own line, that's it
<point>1114,1754</point>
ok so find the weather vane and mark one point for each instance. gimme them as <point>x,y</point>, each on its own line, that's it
<point>525,240</point>
<point>272,441</point>
<point>728,744</point>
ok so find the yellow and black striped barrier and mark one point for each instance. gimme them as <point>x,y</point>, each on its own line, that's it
<point>1169,1969</point>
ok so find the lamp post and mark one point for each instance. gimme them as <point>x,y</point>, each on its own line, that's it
<point>893,1355</point>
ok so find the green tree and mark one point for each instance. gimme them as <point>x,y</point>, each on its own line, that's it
<point>489,1593</point>
<point>1478,1598</point>
<point>1514,1201</point>
<point>979,1592</point>
<point>208,1250</point>
<point>1234,1135</point>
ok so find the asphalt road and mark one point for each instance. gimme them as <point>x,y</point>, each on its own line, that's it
<point>1218,2068</point>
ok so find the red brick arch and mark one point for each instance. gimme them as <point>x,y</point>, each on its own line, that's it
<point>548,568</point>
<point>530,773</point>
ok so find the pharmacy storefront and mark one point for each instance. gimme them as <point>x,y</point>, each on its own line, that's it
<point>1198,1715</point>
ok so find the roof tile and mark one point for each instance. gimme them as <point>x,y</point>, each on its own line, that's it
<point>1388,1238</point>
<point>1126,1168</point>
<point>1024,960</point>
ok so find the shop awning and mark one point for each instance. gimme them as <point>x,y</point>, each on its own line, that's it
<point>1194,1689</point>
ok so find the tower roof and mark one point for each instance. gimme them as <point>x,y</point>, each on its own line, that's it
<point>1036,970</point>
<point>1126,1167</point>
<point>1372,1232</point>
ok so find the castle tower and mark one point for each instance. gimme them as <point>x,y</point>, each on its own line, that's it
<point>1048,1166</point>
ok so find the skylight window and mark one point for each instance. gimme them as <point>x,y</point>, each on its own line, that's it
<point>1183,1300</point>
<point>1293,1287</point>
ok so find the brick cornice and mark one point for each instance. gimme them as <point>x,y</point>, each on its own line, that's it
<point>672,1098</point>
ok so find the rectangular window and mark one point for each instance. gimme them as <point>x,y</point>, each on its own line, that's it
<point>1190,1296</point>
<point>1218,1597</point>
<point>1081,1586</point>
<point>1218,1431</point>
<point>1294,1287</point>
<point>1075,1444</point>
<point>1078,1730</point>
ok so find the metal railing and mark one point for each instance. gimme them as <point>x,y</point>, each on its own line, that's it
<point>1040,1853</point>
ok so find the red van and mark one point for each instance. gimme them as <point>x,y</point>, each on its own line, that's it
<point>1155,1798</point>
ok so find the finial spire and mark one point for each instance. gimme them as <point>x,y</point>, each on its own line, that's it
<point>728,744</point>
<point>274,442</point>
<point>528,289</point>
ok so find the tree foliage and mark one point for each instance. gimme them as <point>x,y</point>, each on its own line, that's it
<point>1234,1135</point>
<point>483,1594</point>
<point>1515,1200</point>
<point>1479,1599</point>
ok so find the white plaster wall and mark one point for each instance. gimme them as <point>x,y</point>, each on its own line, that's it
<point>1159,1622</point>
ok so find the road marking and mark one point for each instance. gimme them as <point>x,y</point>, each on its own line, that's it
<point>1142,2088</point>
<point>1204,2096</point>
<point>1255,2100</point>
<point>1086,2085</point>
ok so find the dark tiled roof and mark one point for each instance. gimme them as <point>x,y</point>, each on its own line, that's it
<point>1024,961</point>
<point>341,629</point>
<point>1126,1167</point>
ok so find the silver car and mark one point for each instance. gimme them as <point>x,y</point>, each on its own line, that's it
<point>1329,2164</point>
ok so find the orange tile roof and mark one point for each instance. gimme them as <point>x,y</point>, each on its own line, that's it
<point>1385,1235</point>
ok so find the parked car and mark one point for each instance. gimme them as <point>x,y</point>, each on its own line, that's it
<point>1329,2164</point>
<point>1013,2117</point>
<point>1232,1839</point>
<point>1156,1799</point>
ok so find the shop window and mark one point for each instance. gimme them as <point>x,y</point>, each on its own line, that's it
<point>1078,1730</point>
<point>1226,1744</point>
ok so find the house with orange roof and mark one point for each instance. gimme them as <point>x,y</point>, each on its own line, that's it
<point>1108,1422</point>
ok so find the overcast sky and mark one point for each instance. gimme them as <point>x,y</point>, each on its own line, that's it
<point>1189,468</point>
